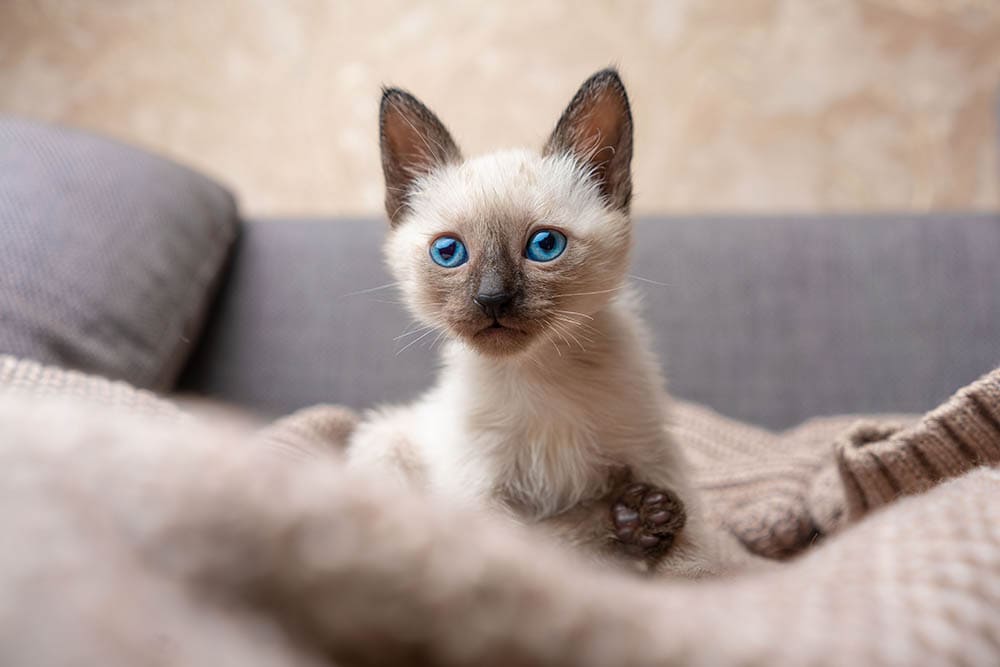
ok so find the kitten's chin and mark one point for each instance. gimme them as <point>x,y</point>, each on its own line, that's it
<point>499,341</point>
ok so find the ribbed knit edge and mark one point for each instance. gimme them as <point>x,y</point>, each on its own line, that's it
<point>880,462</point>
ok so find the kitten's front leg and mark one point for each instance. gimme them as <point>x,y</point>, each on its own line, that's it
<point>633,522</point>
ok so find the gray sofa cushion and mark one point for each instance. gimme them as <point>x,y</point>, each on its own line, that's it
<point>767,319</point>
<point>108,255</point>
<point>775,320</point>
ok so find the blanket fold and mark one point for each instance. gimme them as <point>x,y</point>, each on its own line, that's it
<point>178,541</point>
<point>781,493</point>
<point>778,493</point>
<point>179,538</point>
<point>881,462</point>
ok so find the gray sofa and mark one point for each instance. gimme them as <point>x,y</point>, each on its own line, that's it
<point>769,319</point>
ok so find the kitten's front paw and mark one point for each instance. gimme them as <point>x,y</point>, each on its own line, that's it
<point>646,520</point>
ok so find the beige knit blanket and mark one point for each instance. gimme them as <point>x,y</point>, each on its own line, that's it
<point>151,538</point>
<point>780,493</point>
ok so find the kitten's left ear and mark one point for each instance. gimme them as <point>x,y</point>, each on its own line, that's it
<point>413,143</point>
<point>596,129</point>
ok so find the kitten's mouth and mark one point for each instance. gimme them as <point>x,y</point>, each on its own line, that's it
<point>495,328</point>
<point>499,339</point>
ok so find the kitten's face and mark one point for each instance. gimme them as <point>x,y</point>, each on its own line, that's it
<point>515,248</point>
<point>496,207</point>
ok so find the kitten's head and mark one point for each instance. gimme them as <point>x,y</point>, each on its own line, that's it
<point>513,248</point>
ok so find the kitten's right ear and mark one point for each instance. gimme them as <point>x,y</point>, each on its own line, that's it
<point>413,142</point>
<point>596,129</point>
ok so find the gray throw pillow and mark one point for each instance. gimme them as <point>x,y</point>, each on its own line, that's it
<point>108,255</point>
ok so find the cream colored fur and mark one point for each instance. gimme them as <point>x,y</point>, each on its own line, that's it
<point>536,434</point>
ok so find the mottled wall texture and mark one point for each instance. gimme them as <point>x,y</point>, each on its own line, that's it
<point>741,105</point>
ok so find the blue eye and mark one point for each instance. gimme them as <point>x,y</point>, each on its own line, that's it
<point>545,245</point>
<point>448,252</point>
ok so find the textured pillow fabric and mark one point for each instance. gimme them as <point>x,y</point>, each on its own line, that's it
<point>108,255</point>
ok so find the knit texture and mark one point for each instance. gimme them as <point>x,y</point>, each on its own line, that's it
<point>321,430</point>
<point>879,462</point>
<point>780,493</point>
<point>26,378</point>
<point>174,541</point>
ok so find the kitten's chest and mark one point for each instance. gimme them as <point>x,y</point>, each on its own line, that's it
<point>542,450</point>
<point>547,435</point>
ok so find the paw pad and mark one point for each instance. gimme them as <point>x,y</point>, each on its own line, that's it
<point>646,519</point>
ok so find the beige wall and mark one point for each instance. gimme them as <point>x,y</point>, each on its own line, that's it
<point>741,105</point>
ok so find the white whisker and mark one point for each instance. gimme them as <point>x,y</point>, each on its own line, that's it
<point>413,331</point>
<point>559,333</point>
<point>573,312</point>
<point>602,291</point>
<point>370,290</point>
<point>564,329</point>
<point>580,326</point>
<point>647,280</point>
<point>415,341</point>
<point>551,340</point>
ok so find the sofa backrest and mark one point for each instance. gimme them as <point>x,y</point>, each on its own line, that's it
<point>771,319</point>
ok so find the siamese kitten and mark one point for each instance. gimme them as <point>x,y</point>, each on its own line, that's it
<point>550,404</point>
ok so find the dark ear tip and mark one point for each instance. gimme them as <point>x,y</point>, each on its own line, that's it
<point>608,76</point>
<point>610,73</point>
<point>392,96</point>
